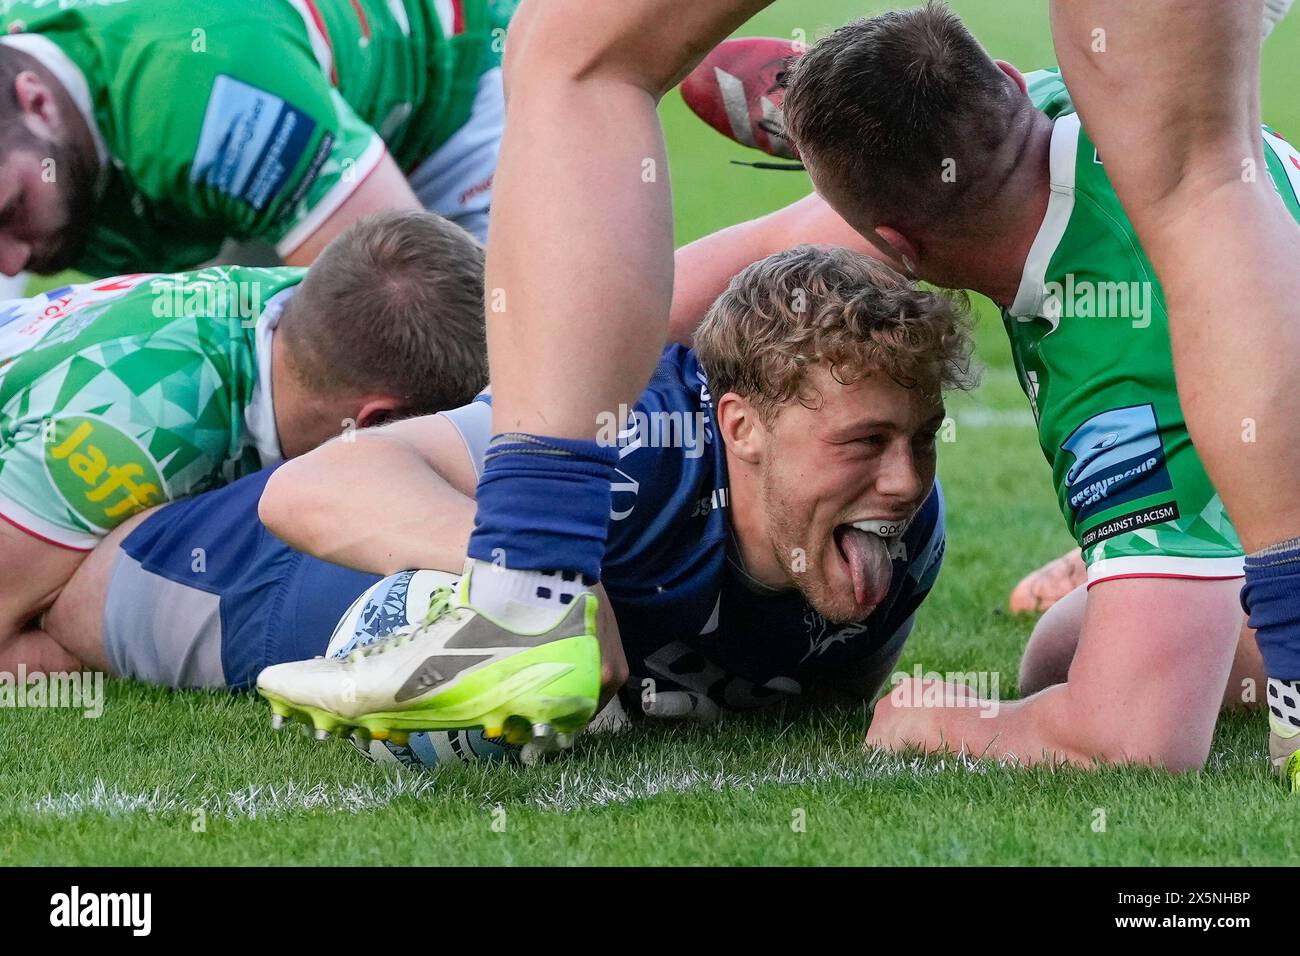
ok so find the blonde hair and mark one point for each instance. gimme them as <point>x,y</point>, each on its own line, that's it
<point>817,305</point>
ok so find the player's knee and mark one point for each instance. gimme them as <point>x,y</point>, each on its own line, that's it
<point>1033,675</point>
<point>1045,662</point>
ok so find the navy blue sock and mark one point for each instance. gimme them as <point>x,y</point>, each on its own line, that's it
<point>543,504</point>
<point>1272,599</point>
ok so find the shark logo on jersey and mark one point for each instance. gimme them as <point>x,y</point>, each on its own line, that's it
<point>820,636</point>
<point>1119,456</point>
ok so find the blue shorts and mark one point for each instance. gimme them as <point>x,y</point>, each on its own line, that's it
<point>203,595</point>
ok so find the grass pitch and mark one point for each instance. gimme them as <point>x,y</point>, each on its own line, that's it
<point>194,778</point>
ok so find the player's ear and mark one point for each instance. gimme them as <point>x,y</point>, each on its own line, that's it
<point>740,427</point>
<point>37,101</point>
<point>898,247</point>
<point>376,411</point>
<point>1016,76</point>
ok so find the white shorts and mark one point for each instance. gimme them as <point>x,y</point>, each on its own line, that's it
<point>456,181</point>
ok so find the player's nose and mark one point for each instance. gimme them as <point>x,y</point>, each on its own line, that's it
<point>899,477</point>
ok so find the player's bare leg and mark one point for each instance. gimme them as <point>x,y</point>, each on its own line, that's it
<point>1184,74</point>
<point>76,619</point>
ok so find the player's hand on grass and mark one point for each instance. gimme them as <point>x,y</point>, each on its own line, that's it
<point>910,715</point>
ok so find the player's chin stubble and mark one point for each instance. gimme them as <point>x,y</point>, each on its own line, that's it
<point>804,559</point>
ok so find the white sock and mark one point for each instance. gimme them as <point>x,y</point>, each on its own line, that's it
<point>1284,701</point>
<point>493,587</point>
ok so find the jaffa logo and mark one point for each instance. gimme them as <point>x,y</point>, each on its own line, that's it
<point>102,474</point>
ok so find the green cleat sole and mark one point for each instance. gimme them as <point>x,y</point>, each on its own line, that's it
<point>555,685</point>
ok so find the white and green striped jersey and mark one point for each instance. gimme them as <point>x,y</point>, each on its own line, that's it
<point>218,119</point>
<point>126,393</point>
<point>1090,338</point>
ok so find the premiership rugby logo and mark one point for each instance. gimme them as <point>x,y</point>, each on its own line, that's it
<point>1119,457</point>
<point>102,474</point>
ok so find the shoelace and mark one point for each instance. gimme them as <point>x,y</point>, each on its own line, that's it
<point>439,604</point>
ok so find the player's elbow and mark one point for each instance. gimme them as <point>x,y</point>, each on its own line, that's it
<point>1174,755</point>
<point>544,52</point>
<point>1155,742</point>
<point>1089,731</point>
<point>281,507</point>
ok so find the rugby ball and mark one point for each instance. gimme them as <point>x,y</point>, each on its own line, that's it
<point>397,601</point>
<point>736,89</point>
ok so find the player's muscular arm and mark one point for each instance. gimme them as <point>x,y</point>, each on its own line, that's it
<point>651,44</point>
<point>1051,648</point>
<point>385,189</point>
<point>395,498</point>
<point>706,266</point>
<point>1145,686</point>
<point>575,70</point>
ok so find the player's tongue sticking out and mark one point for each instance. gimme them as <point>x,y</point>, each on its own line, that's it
<point>867,555</point>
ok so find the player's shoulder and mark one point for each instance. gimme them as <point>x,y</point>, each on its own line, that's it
<point>671,424</point>
<point>216,284</point>
<point>678,380</point>
<point>670,466</point>
<point>167,76</point>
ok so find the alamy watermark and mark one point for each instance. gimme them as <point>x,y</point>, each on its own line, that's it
<point>74,690</point>
<point>1086,299</point>
<point>921,688</point>
<point>657,429</point>
<point>225,299</point>
<point>76,908</point>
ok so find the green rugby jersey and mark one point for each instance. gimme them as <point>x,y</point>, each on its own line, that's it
<point>1090,338</point>
<point>251,120</point>
<point>125,393</point>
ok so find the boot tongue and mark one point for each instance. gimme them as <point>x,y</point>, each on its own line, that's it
<point>869,564</point>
